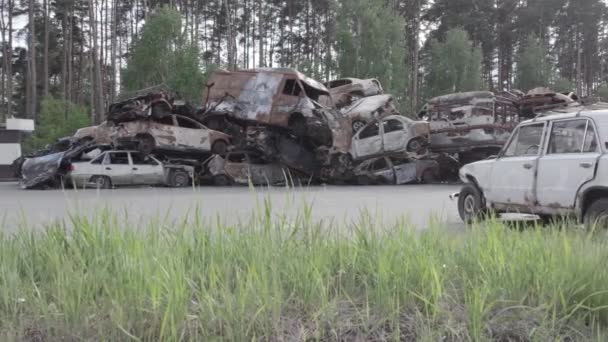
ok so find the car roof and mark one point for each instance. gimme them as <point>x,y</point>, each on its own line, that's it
<point>572,112</point>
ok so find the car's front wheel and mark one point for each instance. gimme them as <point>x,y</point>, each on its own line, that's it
<point>470,204</point>
<point>179,179</point>
<point>596,217</point>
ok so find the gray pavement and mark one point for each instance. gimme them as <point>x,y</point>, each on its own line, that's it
<point>416,203</point>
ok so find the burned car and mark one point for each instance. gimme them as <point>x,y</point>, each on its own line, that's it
<point>281,98</point>
<point>171,133</point>
<point>368,109</point>
<point>51,170</point>
<point>115,168</point>
<point>355,86</point>
<point>246,168</point>
<point>396,169</point>
<point>474,125</point>
<point>391,134</point>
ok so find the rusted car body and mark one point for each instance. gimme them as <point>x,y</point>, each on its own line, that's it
<point>390,134</point>
<point>368,109</point>
<point>100,134</point>
<point>474,124</point>
<point>172,133</point>
<point>274,97</point>
<point>246,168</point>
<point>151,102</point>
<point>396,169</point>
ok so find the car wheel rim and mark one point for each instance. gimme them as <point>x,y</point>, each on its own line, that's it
<point>469,206</point>
<point>357,126</point>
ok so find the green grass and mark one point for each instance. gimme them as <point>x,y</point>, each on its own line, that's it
<point>274,279</point>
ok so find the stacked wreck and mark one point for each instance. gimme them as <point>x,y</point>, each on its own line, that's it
<point>276,126</point>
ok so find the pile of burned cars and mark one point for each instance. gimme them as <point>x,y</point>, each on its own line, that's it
<point>270,126</point>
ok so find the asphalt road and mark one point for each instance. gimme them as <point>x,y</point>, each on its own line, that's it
<point>421,205</point>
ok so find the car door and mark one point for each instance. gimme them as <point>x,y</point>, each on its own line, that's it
<point>570,161</point>
<point>192,135</point>
<point>513,173</point>
<point>117,166</point>
<point>394,135</point>
<point>146,170</point>
<point>383,170</point>
<point>83,171</point>
<point>406,170</point>
<point>367,142</point>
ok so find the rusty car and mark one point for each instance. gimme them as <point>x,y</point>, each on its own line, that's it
<point>118,168</point>
<point>390,134</point>
<point>474,125</point>
<point>169,133</point>
<point>242,167</point>
<point>396,169</point>
<point>282,98</point>
<point>368,109</point>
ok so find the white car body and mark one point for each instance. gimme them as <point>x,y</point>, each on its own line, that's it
<point>126,169</point>
<point>552,165</point>
<point>389,135</point>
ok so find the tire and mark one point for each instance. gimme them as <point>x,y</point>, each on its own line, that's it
<point>179,178</point>
<point>358,125</point>
<point>219,147</point>
<point>415,145</point>
<point>222,180</point>
<point>364,180</point>
<point>429,176</point>
<point>470,204</point>
<point>596,216</point>
<point>102,182</point>
<point>298,126</point>
<point>145,144</point>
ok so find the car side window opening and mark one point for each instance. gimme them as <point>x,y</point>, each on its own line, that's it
<point>237,158</point>
<point>380,165</point>
<point>570,137</point>
<point>141,159</point>
<point>119,158</point>
<point>187,123</point>
<point>591,141</point>
<point>292,88</point>
<point>339,83</point>
<point>392,126</point>
<point>165,120</point>
<point>99,159</point>
<point>370,131</point>
<point>526,141</point>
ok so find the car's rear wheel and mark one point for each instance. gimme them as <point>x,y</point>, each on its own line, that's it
<point>364,180</point>
<point>219,147</point>
<point>179,179</point>
<point>429,176</point>
<point>596,217</point>
<point>222,180</point>
<point>470,204</point>
<point>102,182</point>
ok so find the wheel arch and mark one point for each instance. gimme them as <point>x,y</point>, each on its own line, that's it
<point>589,196</point>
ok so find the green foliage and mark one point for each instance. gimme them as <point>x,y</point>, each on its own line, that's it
<point>163,56</point>
<point>105,277</point>
<point>602,92</point>
<point>533,68</point>
<point>58,119</point>
<point>454,65</point>
<point>371,44</point>
<point>562,85</point>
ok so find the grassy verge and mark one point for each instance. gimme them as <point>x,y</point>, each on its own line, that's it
<point>274,279</point>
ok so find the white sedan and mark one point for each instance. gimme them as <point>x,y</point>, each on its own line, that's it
<point>115,168</point>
